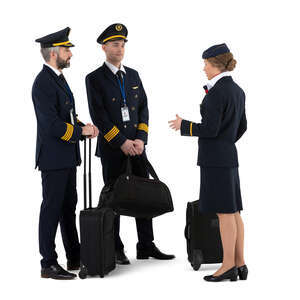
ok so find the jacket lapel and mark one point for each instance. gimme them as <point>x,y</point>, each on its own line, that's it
<point>110,75</point>
<point>57,80</point>
<point>127,83</point>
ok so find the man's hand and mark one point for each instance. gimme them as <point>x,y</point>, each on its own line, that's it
<point>96,132</point>
<point>88,130</point>
<point>176,124</point>
<point>139,146</point>
<point>128,148</point>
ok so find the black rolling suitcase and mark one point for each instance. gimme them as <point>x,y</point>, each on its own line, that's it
<point>202,235</point>
<point>97,248</point>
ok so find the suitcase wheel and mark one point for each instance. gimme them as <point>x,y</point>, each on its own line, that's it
<point>197,259</point>
<point>83,272</point>
<point>82,275</point>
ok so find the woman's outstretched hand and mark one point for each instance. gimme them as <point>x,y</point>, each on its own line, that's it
<point>176,124</point>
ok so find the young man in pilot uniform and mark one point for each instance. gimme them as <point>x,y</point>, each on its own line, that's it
<point>118,107</point>
<point>57,154</point>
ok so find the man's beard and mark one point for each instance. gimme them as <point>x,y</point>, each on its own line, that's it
<point>61,64</point>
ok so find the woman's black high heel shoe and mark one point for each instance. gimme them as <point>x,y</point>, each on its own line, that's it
<point>231,274</point>
<point>243,272</point>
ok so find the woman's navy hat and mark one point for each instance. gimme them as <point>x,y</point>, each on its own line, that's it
<point>215,50</point>
<point>59,38</point>
<point>113,32</point>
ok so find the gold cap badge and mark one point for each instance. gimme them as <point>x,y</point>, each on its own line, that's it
<point>119,27</point>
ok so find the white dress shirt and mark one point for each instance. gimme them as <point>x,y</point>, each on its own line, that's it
<point>213,81</point>
<point>114,69</point>
<point>56,71</point>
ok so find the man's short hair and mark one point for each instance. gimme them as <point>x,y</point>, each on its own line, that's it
<point>46,52</point>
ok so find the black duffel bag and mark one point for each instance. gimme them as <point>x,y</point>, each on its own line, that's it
<point>136,196</point>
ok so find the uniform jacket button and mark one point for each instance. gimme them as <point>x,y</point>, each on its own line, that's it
<point>113,99</point>
<point>135,96</point>
<point>133,108</point>
<point>125,126</point>
<point>135,125</point>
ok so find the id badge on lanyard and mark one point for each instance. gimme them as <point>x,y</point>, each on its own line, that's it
<point>124,109</point>
<point>125,114</point>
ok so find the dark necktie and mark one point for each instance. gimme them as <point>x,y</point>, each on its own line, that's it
<point>63,79</point>
<point>120,76</point>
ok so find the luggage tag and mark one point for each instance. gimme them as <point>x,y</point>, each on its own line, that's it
<point>125,113</point>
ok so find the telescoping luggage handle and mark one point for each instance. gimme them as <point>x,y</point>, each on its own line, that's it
<point>89,176</point>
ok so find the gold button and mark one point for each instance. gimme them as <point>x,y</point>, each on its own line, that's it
<point>135,96</point>
<point>113,99</point>
<point>135,125</point>
<point>133,108</point>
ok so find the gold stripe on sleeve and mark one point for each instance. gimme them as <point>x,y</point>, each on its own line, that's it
<point>69,132</point>
<point>143,126</point>
<point>112,133</point>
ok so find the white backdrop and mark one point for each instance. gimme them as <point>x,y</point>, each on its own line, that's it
<point>166,40</point>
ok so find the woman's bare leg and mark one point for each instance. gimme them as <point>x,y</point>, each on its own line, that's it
<point>228,231</point>
<point>239,247</point>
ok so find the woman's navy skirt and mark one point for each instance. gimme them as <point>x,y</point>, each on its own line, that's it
<point>220,190</point>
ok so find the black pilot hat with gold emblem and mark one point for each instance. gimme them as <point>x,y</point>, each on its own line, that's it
<point>112,33</point>
<point>59,38</point>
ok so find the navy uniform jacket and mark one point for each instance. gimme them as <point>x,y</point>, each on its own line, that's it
<point>105,102</point>
<point>223,123</point>
<point>57,144</point>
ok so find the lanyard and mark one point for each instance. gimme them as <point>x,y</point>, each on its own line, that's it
<point>122,88</point>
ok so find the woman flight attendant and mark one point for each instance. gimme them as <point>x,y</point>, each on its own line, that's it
<point>223,123</point>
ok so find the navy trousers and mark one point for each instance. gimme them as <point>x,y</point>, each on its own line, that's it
<point>58,207</point>
<point>112,168</point>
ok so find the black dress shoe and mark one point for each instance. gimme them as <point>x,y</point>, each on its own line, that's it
<point>73,265</point>
<point>121,258</point>
<point>56,272</point>
<point>151,251</point>
<point>231,274</point>
<point>243,272</point>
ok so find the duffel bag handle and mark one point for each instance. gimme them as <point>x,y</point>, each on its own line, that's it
<point>149,167</point>
<point>128,166</point>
